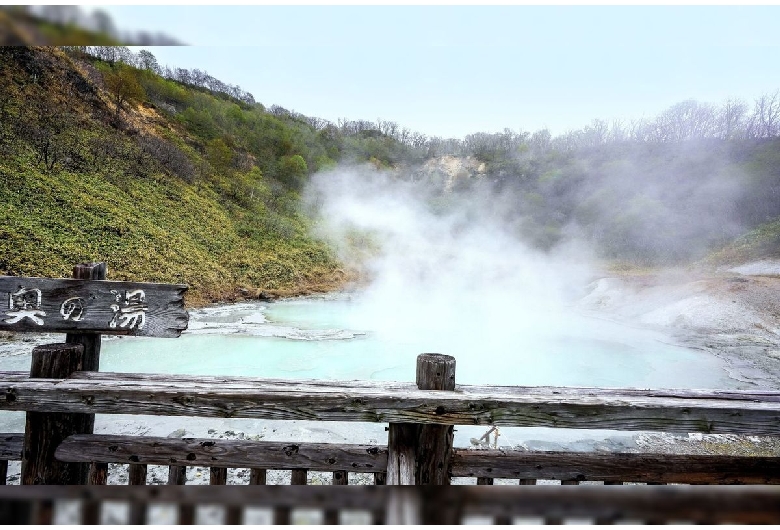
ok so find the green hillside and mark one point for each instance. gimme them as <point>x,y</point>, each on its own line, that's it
<point>162,181</point>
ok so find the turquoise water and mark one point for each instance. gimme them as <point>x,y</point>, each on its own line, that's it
<point>318,338</point>
<point>339,337</point>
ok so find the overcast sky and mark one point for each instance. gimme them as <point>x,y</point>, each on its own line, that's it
<point>452,70</point>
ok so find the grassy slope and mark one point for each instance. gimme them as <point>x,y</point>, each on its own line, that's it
<point>147,227</point>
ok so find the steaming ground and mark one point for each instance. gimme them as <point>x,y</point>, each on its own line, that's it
<point>731,315</point>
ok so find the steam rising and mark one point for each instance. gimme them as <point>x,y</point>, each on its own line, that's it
<point>443,266</point>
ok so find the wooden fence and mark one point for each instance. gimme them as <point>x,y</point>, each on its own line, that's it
<point>61,396</point>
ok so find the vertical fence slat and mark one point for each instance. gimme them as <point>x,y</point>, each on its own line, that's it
<point>218,476</point>
<point>484,481</point>
<point>299,477</point>
<point>331,517</point>
<point>98,474</point>
<point>3,472</point>
<point>380,479</point>
<point>186,514</point>
<point>136,474</point>
<point>282,515</point>
<point>137,513</point>
<point>570,483</point>
<point>44,431</point>
<point>257,477</point>
<point>234,515</point>
<point>90,512</point>
<point>526,482</point>
<point>177,475</point>
<point>42,512</point>
<point>340,478</point>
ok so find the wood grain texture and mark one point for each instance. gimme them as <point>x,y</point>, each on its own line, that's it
<point>401,453</point>
<point>44,431</point>
<point>85,306</point>
<point>434,442</point>
<point>617,467</point>
<point>679,411</point>
<point>210,452</point>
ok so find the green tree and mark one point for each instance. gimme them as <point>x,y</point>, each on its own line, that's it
<point>123,87</point>
<point>293,170</point>
<point>219,155</point>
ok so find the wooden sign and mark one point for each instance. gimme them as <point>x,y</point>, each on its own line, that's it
<point>92,306</point>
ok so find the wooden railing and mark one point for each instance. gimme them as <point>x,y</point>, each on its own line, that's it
<point>420,422</point>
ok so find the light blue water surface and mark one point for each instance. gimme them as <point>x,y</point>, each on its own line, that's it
<point>317,338</point>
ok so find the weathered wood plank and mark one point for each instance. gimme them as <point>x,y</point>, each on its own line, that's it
<point>94,306</point>
<point>734,504</point>
<point>3,472</point>
<point>11,446</point>
<point>304,497</point>
<point>746,412</point>
<point>222,453</point>
<point>534,392</point>
<point>340,478</point>
<point>701,504</point>
<point>618,467</point>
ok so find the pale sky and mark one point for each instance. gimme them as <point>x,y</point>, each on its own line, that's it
<point>453,70</point>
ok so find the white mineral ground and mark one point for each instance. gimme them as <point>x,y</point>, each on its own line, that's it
<point>733,314</point>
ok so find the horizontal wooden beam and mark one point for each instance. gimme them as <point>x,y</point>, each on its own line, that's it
<point>546,465</point>
<point>668,503</point>
<point>623,467</point>
<point>211,452</point>
<point>683,411</point>
<point>44,305</point>
<point>11,446</point>
<point>705,504</point>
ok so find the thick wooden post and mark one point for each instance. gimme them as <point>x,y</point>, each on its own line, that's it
<point>44,432</point>
<point>421,454</point>
<point>434,446</point>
